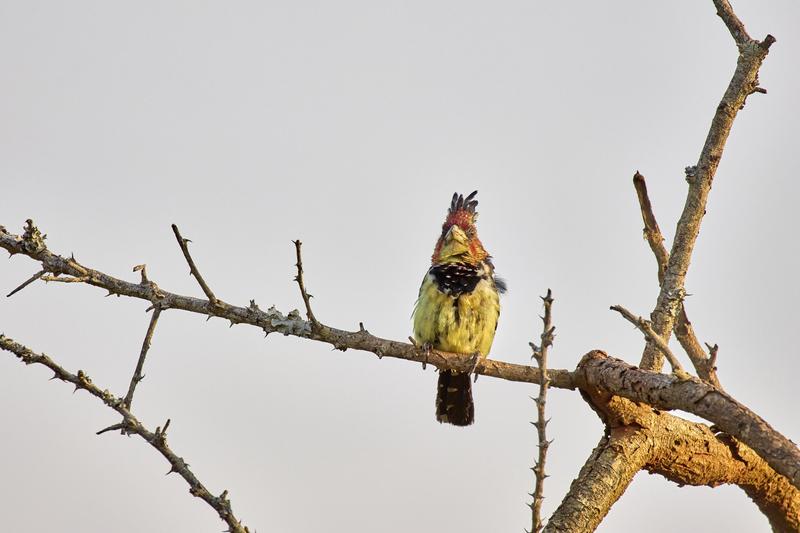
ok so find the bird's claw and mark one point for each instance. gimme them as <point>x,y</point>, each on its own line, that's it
<point>474,362</point>
<point>426,352</point>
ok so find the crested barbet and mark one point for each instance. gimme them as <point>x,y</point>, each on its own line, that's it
<point>458,306</point>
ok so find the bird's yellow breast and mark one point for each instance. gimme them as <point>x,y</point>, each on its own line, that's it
<point>462,324</point>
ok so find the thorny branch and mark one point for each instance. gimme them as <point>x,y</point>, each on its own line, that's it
<point>273,321</point>
<point>137,373</point>
<point>540,354</point>
<point>131,425</point>
<point>184,244</point>
<point>315,325</point>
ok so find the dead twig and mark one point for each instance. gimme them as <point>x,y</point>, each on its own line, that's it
<point>315,325</point>
<point>184,244</point>
<point>148,337</point>
<point>684,331</point>
<point>645,327</point>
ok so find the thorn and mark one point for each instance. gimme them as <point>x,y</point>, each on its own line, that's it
<point>113,427</point>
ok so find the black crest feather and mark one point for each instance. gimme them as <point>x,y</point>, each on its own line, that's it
<point>459,202</point>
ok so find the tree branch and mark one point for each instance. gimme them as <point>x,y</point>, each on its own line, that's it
<point>184,244</point>
<point>603,479</point>
<point>735,26</point>
<point>743,83</point>
<point>700,399</point>
<point>684,332</point>
<point>273,320</point>
<point>148,337</point>
<point>130,424</point>
<point>690,453</point>
<point>315,325</point>
<point>597,371</point>
<point>656,389</point>
<point>645,327</point>
<point>540,354</point>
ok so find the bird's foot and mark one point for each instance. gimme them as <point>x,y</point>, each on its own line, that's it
<point>474,362</point>
<point>426,352</point>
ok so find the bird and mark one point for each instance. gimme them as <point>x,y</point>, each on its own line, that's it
<point>458,306</point>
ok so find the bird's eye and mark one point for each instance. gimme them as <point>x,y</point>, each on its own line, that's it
<point>470,232</point>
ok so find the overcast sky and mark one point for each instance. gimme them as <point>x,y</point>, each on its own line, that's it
<point>349,125</point>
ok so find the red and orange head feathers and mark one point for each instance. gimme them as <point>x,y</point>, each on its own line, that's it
<point>459,240</point>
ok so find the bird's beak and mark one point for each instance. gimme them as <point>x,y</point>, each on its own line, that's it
<point>455,235</point>
<point>455,243</point>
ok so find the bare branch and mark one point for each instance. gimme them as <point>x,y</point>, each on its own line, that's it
<point>184,244</point>
<point>113,427</point>
<point>691,453</point>
<point>315,325</point>
<point>540,354</point>
<point>272,320</point>
<point>712,355</point>
<point>651,230</point>
<point>683,327</point>
<point>137,374</point>
<point>603,479</point>
<point>700,177</point>
<point>735,26</point>
<point>26,283</point>
<point>131,424</point>
<point>715,405</point>
<point>598,371</point>
<point>645,327</point>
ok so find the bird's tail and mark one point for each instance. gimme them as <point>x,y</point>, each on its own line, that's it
<point>454,399</point>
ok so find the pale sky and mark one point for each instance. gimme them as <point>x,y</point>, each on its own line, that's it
<point>349,125</point>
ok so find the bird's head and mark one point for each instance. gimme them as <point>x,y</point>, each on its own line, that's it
<point>459,240</point>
